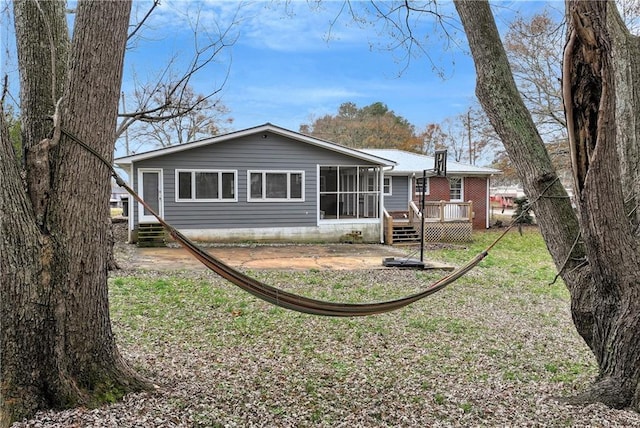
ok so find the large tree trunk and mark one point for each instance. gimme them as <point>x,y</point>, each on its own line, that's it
<point>626,69</point>
<point>590,106</point>
<point>595,254</point>
<point>57,346</point>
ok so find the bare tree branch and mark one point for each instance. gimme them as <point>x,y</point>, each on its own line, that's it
<point>156,3</point>
<point>170,96</point>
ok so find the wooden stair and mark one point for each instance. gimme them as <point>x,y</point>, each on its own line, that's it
<point>405,234</point>
<point>151,235</point>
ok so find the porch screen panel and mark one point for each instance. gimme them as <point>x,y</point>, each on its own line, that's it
<point>368,198</point>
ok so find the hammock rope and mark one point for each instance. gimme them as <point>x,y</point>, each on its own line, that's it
<point>281,297</point>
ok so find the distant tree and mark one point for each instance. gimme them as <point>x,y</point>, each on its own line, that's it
<point>469,137</point>
<point>509,176</point>
<point>534,49</point>
<point>433,138</point>
<point>189,117</point>
<point>372,126</point>
<point>165,110</point>
<point>454,140</point>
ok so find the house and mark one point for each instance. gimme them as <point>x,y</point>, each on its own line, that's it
<point>268,183</point>
<point>454,204</point>
<point>462,185</point>
<point>504,196</point>
<point>117,195</point>
<point>261,183</point>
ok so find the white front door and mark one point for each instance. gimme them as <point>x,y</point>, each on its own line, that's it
<point>150,190</point>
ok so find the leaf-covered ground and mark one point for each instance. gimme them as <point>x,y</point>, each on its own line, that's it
<point>494,349</point>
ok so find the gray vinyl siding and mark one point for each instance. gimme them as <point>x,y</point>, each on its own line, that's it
<point>249,153</point>
<point>398,200</point>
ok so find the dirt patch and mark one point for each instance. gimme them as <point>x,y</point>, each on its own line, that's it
<point>258,256</point>
<point>297,257</point>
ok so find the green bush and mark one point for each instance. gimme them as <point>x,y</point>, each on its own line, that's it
<point>522,214</point>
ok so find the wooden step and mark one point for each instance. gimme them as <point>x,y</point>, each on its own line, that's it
<point>151,235</point>
<point>405,234</point>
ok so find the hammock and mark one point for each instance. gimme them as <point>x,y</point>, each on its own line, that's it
<point>280,297</point>
<point>293,301</point>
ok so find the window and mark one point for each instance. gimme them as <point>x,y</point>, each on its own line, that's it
<point>422,187</point>
<point>276,186</point>
<point>386,185</point>
<point>205,186</point>
<point>455,188</point>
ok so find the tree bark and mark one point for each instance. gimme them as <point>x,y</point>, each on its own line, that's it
<point>626,69</point>
<point>590,106</point>
<point>595,252</point>
<point>57,348</point>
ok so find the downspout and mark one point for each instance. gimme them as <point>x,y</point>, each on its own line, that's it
<point>130,207</point>
<point>381,209</point>
<point>487,202</point>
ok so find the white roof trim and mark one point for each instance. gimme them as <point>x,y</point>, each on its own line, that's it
<point>128,160</point>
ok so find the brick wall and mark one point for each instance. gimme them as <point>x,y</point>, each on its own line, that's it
<point>475,190</point>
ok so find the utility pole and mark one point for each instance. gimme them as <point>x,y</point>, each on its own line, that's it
<point>471,159</point>
<point>126,131</point>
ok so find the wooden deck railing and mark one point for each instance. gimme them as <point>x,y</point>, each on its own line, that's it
<point>444,211</point>
<point>446,220</point>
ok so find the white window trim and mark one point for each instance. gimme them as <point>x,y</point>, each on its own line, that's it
<point>193,185</point>
<point>461,199</point>
<point>390,192</point>
<point>264,183</point>
<point>428,185</point>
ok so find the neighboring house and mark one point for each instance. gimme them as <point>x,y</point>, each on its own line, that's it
<point>261,183</point>
<point>270,183</point>
<point>504,196</point>
<point>117,195</point>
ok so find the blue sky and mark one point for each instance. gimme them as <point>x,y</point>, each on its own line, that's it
<point>289,63</point>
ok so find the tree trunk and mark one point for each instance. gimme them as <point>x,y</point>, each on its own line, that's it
<point>590,106</point>
<point>626,69</point>
<point>595,254</point>
<point>499,97</point>
<point>57,346</point>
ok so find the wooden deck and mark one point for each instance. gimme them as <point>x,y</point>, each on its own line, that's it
<point>443,222</point>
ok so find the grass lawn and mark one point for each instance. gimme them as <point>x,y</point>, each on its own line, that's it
<point>492,349</point>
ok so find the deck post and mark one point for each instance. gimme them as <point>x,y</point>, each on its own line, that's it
<point>388,228</point>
